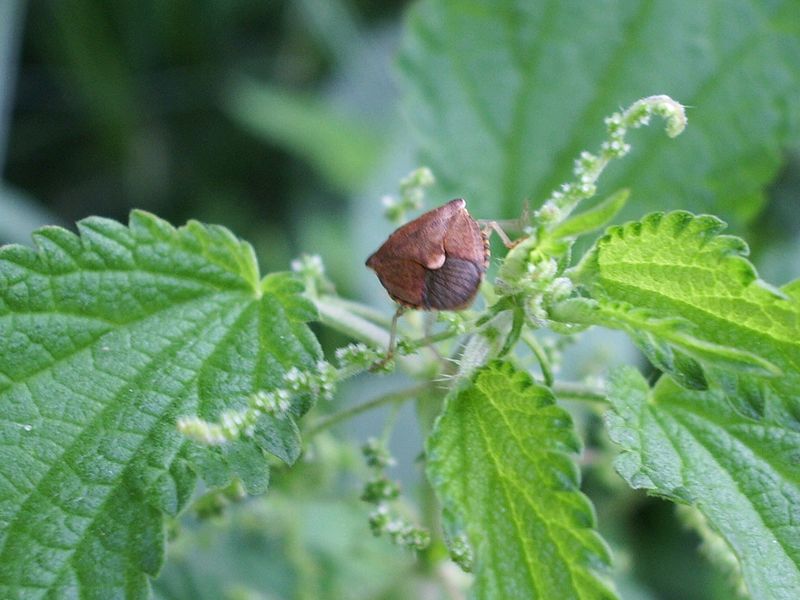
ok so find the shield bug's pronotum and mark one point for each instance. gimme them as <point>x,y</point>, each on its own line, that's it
<point>435,262</point>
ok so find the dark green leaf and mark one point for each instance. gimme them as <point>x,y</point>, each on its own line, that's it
<point>742,474</point>
<point>105,340</point>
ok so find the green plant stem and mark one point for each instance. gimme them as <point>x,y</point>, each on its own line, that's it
<point>541,357</point>
<point>359,309</point>
<point>335,314</point>
<point>579,392</point>
<point>351,411</point>
<point>388,426</point>
<point>432,339</point>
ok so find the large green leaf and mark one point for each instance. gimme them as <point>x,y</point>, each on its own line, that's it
<point>677,266</point>
<point>498,459</point>
<point>105,339</point>
<point>504,95</point>
<point>742,474</point>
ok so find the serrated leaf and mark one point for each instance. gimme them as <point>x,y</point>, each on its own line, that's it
<point>279,437</point>
<point>742,474</point>
<point>105,339</point>
<point>498,460</point>
<point>505,95</point>
<point>678,266</point>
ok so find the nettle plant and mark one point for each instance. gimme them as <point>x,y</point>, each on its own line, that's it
<point>136,359</point>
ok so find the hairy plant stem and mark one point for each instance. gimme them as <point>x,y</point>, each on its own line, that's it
<point>432,339</point>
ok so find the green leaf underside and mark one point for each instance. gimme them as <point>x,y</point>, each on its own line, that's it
<point>498,460</point>
<point>677,266</point>
<point>505,95</point>
<point>105,339</point>
<point>742,474</point>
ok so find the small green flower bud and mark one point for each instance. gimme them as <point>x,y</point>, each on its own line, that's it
<point>357,355</point>
<point>376,454</point>
<point>461,552</point>
<point>379,519</point>
<point>416,538</point>
<point>560,288</point>
<point>309,266</point>
<point>379,489</point>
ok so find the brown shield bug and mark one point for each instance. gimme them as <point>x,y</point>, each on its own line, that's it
<point>435,262</point>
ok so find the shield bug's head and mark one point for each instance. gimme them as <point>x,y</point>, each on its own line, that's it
<point>436,261</point>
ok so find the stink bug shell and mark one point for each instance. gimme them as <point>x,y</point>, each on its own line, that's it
<point>436,261</point>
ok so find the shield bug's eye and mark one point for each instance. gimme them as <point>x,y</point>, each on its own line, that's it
<point>436,261</point>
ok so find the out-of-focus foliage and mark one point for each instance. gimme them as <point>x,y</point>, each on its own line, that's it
<point>141,104</point>
<point>306,539</point>
<point>272,116</point>
<point>505,95</point>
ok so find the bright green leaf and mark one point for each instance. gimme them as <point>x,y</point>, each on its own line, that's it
<point>594,218</point>
<point>505,95</point>
<point>742,474</point>
<point>677,266</point>
<point>105,340</point>
<point>498,459</point>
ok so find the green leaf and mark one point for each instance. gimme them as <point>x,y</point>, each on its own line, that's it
<point>505,95</point>
<point>498,460</point>
<point>742,474</point>
<point>656,335</point>
<point>594,218</point>
<point>678,267</point>
<point>105,340</point>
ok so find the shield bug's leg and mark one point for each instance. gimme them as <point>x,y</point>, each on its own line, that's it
<point>489,226</point>
<point>393,331</point>
<point>392,340</point>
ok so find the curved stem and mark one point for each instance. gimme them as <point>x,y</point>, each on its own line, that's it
<point>351,411</point>
<point>541,357</point>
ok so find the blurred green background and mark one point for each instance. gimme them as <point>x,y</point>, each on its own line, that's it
<point>283,121</point>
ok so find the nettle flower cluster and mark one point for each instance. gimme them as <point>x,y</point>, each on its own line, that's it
<point>533,278</point>
<point>382,491</point>
<point>320,383</point>
<point>412,195</point>
<point>533,274</point>
<point>588,167</point>
<point>277,403</point>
